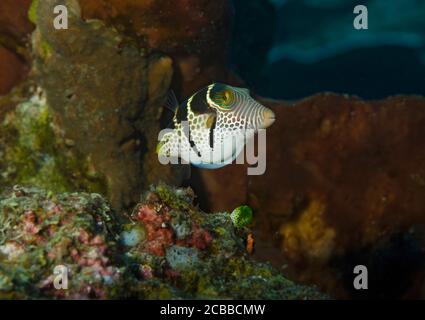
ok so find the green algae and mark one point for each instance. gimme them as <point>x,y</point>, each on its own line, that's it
<point>110,122</point>
<point>61,145</point>
<point>34,155</point>
<point>32,12</point>
<point>177,200</point>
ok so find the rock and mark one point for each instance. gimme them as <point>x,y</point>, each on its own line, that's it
<point>339,58</point>
<point>117,159</point>
<point>14,19</point>
<point>208,259</point>
<point>41,230</point>
<point>13,70</point>
<point>182,259</point>
<point>14,29</point>
<point>345,178</point>
<point>103,127</point>
<point>195,33</point>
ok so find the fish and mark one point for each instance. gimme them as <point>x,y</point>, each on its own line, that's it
<point>210,128</point>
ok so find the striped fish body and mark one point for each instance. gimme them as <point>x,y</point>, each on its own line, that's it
<point>211,128</point>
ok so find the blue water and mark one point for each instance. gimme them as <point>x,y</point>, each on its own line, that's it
<point>295,48</point>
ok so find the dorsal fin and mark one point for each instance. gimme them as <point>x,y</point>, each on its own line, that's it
<point>171,103</point>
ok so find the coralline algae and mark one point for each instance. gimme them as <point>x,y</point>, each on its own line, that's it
<point>110,258</point>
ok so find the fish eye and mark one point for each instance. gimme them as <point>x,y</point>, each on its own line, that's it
<point>224,99</point>
<point>227,95</point>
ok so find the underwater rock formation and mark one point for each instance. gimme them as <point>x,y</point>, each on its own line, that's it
<point>166,249</point>
<point>14,55</point>
<point>204,255</point>
<point>105,125</point>
<point>13,70</point>
<point>344,183</point>
<point>344,178</point>
<point>42,230</point>
<point>101,131</point>
<point>194,33</point>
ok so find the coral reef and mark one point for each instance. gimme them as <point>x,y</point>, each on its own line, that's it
<point>42,230</point>
<point>344,178</point>
<point>116,159</point>
<point>194,33</point>
<point>123,102</point>
<point>203,255</point>
<point>242,216</point>
<point>104,128</point>
<point>80,96</point>
<point>166,248</point>
<point>31,155</point>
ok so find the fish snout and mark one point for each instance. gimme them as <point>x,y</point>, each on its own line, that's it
<point>268,118</point>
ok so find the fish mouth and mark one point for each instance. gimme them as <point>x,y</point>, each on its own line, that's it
<point>269,118</point>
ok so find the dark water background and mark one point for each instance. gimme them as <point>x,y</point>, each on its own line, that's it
<point>295,48</point>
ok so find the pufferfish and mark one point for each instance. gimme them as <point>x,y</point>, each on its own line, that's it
<point>211,128</point>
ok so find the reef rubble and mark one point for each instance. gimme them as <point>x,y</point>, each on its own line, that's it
<point>166,249</point>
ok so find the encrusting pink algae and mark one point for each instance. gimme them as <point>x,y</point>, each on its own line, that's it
<point>167,248</point>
